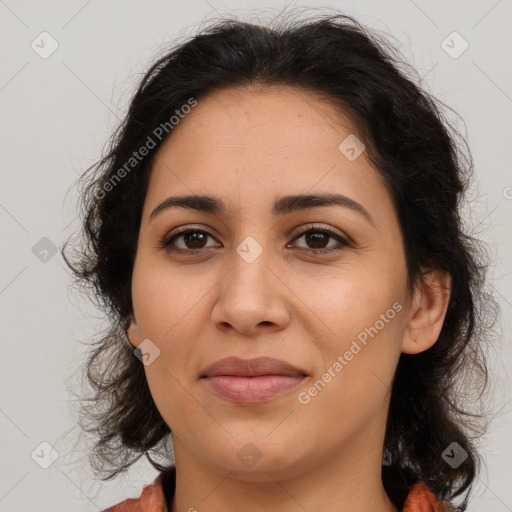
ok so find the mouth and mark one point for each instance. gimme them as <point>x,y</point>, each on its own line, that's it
<point>252,380</point>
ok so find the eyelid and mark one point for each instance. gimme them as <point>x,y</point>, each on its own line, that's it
<point>165,240</point>
<point>342,238</point>
<point>323,227</point>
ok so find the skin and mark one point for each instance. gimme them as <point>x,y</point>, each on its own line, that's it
<point>249,147</point>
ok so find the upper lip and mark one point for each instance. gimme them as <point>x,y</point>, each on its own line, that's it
<point>257,366</point>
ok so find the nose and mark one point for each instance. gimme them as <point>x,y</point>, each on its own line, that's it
<point>252,298</point>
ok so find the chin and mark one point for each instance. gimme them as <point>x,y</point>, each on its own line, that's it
<point>251,456</point>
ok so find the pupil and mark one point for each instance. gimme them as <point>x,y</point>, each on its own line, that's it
<point>317,237</point>
<point>194,238</point>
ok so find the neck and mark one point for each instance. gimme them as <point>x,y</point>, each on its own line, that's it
<point>350,481</point>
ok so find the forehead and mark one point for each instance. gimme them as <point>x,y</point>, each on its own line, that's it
<point>280,117</point>
<point>261,142</point>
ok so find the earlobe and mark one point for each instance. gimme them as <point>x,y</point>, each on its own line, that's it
<point>132,332</point>
<point>428,311</point>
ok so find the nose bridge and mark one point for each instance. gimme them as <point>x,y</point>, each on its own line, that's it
<point>252,249</point>
<point>250,263</point>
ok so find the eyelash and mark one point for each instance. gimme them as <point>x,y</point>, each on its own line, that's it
<point>166,242</point>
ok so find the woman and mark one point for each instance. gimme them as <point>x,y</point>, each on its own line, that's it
<point>275,235</point>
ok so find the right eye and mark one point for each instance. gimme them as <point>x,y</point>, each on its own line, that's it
<point>193,240</point>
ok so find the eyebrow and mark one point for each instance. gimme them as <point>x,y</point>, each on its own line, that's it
<point>282,206</point>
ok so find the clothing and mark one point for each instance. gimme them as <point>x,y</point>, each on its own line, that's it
<point>154,496</point>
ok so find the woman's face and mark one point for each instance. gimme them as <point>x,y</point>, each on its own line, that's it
<point>248,283</point>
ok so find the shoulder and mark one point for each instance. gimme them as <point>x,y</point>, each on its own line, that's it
<point>421,499</point>
<point>151,499</point>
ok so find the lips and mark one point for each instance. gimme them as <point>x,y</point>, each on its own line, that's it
<point>251,368</point>
<point>252,380</point>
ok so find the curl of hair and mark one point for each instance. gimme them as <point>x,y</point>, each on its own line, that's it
<point>426,166</point>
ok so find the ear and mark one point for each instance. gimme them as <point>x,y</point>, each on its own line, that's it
<point>428,311</point>
<point>132,332</point>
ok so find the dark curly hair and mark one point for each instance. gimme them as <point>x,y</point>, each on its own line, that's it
<point>427,168</point>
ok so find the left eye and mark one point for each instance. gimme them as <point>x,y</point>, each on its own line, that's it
<point>318,237</point>
<point>194,240</point>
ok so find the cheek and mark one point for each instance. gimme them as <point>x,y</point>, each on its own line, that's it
<point>167,301</point>
<point>351,299</point>
<point>358,364</point>
<point>168,306</point>
<point>361,312</point>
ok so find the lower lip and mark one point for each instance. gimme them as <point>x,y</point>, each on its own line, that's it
<point>253,389</point>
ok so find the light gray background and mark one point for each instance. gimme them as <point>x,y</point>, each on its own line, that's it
<point>56,115</point>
